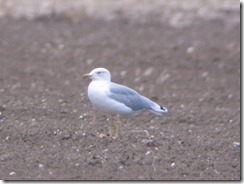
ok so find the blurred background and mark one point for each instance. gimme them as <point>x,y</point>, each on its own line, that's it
<point>177,13</point>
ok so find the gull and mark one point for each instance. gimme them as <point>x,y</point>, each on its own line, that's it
<point>116,99</point>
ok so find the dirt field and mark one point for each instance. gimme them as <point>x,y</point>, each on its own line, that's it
<point>47,125</point>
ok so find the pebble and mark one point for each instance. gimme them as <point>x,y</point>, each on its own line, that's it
<point>173,165</point>
<point>205,74</point>
<point>181,142</point>
<point>236,144</point>
<point>66,135</point>
<point>12,173</point>
<point>40,166</point>
<point>148,152</point>
<point>2,117</point>
<point>149,71</point>
<point>77,164</point>
<point>81,117</point>
<point>190,50</point>
<point>121,167</point>
<point>150,143</point>
<point>102,135</point>
<point>123,73</point>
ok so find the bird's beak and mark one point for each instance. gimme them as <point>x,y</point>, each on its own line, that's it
<point>86,75</point>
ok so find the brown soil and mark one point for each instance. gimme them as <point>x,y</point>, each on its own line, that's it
<point>47,125</point>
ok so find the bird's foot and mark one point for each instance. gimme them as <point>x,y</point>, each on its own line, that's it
<point>114,126</point>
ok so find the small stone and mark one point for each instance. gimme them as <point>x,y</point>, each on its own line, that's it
<point>123,73</point>
<point>181,142</point>
<point>201,99</point>
<point>190,50</point>
<point>2,117</point>
<point>40,166</point>
<point>12,173</point>
<point>205,74</point>
<point>236,144</point>
<point>149,71</point>
<point>148,152</point>
<point>81,117</point>
<point>150,143</point>
<point>77,164</point>
<point>66,135</point>
<point>230,96</point>
<point>102,135</point>
<point>172,165</point>
<point>121,167</point>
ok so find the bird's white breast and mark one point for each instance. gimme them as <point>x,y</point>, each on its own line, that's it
<point>98,94</point>
<point>97,91</point>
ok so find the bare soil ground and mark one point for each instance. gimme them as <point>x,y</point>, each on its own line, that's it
<point>47,125</point>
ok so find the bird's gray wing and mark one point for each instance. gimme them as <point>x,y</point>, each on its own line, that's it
<point>129,97</point>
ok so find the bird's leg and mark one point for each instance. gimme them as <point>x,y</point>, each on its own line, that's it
<point>117,125</point>
<point>110,128</point>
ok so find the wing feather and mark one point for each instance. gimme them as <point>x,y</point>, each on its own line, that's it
<point>129,97</point>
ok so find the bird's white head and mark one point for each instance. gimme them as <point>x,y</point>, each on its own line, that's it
<point>101,74</point>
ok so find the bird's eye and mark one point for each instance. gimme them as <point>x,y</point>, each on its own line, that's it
<point>99,73</point>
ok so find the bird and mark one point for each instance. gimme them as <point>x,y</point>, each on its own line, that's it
<point>117,99</point>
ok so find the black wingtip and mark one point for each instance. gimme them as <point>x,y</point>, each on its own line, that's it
<point>164,109</point>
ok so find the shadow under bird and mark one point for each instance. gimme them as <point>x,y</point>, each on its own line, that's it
<point>116,99</point>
